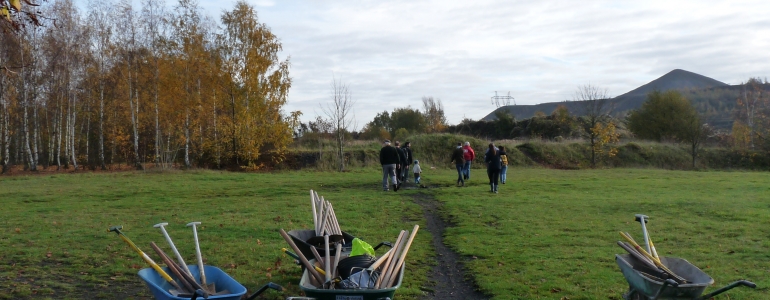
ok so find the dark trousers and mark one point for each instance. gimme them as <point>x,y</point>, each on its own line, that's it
<point>493,174</point>
<point>459,173</point>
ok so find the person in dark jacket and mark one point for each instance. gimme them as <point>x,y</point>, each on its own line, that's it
<point>494,164</point>
<point>401,162</point>
<point>409,160</point>
<point>457,159</point>
<point>389,159</point>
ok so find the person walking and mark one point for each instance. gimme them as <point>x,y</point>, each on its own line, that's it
<point>468,155</point>
<point>457,158</point>
<point>409,160</point>
<point>401,162</point>
<point>389,159</point>
<point>417,171</point>
<point>504,163</point>
<point>492,159</point>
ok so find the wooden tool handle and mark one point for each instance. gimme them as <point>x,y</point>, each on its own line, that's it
<point>388,268</point>
<point>302,258</point>
<point>401,259</point>
<point>336,260</point>
<point>380,260</point>
<point>327,263</point>
<point>172,267</point>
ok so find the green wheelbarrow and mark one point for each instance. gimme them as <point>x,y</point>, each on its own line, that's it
<point>642,287</point>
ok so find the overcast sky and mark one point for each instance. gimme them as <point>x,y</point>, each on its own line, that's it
<point>392,53</point>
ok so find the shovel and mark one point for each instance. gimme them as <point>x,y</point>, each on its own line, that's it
<point>146,258</point>
<point>208,286</point>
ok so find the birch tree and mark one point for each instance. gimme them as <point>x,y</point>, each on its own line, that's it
<point>340,113</point>
<point>101,40</point>
<point>596,111</point>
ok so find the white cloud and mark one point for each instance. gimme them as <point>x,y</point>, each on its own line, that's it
<point>392,53</point>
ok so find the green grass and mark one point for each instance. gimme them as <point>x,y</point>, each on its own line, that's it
<point>68,216</point>
<point>549,234</point>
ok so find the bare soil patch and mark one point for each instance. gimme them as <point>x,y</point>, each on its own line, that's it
<point>448,278</point>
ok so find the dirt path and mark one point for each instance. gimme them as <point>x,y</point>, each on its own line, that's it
<point>448,276</point>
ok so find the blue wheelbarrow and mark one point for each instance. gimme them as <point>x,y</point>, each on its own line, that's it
<point>228,288</point>
<point>644,287</point>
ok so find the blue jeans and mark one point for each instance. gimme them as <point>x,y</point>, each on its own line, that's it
<point>388,172</point>
<point>467,169</point>
<point>460,171</point>
<point>503,174</point>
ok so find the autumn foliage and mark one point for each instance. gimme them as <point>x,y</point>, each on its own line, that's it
<point>144,86</point>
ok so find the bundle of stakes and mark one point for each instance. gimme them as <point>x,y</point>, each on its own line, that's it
<point>324,219</point>
<point>324,274</point>
<point>650,262</point>
<point>383,272</point>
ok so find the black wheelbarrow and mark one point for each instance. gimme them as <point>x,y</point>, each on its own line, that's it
<point>644,287</point>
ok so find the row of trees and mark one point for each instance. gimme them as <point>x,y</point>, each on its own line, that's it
<point>405,120</point>
<point>121,84</point>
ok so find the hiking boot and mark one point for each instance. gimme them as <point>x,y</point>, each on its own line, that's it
<point>396,187</point>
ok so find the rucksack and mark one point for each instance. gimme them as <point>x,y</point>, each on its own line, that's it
<point>504,159</point>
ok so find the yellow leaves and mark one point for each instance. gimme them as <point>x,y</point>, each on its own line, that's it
<point>4,12</point>
<point>606,134</point>
<point>16,4</point>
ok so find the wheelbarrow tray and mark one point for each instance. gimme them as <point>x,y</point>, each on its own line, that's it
<point>353,294</point>
<point>697,280</point>
<point>159,286</point>
<point>300,238</point>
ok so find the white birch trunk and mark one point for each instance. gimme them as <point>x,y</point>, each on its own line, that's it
<point>72,132</point>
<point>216,138</point>
<point>25,120</point>
<point>101,125</point>
<point>187,139</point>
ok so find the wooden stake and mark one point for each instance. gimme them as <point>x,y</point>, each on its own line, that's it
<point>337,255</point>
<point>315,215</point>
<point>302,258</point>
<point>385,272</point>
<point>315,253</point>
<point>401,259</point>
<point>327,263</point>
<point>380,260</point>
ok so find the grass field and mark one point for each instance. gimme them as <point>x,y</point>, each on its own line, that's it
<point>55,240</point>
<point>549,234</point>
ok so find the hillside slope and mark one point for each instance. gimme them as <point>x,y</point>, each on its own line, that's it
<point>696,87</point>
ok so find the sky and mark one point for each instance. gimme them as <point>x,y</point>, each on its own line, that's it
<point>392,53</point>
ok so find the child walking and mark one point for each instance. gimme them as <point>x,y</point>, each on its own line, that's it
<point>417,171</point>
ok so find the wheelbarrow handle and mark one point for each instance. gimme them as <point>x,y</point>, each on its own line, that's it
<point>270,285</point>
<point>666,283</point>
<point>729,287</point>
<point>383,244</point>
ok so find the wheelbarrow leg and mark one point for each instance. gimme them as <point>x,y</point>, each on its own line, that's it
<point>666,283</point>
<point>729,287</point>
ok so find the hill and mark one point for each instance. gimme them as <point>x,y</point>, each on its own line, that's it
<point>713,98</point>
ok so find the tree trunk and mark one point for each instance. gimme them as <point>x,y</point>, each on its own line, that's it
<point>101,126</point>
<point>216,139</point>
<point>134,118</point>
<point>4,116</point>
<point>58,135</point>
<point>72,132</point>
<point>157,117</point>
<point>187,139</point>
<point>25,119</point>
<point>35,136</point>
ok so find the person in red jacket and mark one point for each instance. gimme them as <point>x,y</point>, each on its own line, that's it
<point>468,155</point>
